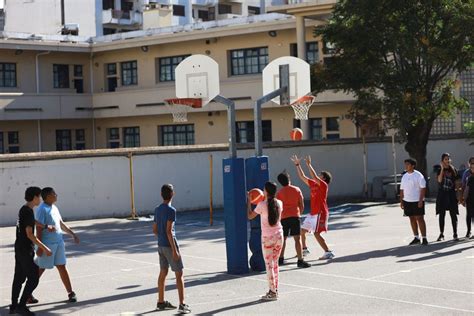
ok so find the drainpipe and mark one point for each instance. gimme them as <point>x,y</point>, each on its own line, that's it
<point>40,149</point>
<point>91,80</point>
<point>37,70</point>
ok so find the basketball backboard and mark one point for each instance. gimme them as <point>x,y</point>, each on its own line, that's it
<point>300,83</point>
<point>197,77</point>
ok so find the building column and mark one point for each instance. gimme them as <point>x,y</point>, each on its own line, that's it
<point>189,12</point>
<point>301,46</point>
<point>118,5</point>
<point>40,149</point>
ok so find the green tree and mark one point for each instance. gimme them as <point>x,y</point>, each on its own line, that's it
<point>399,58</point>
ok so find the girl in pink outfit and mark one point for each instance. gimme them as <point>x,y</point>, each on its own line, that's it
<point>272,235</point>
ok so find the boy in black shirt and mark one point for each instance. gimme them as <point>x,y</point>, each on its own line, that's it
<point>25,268</point>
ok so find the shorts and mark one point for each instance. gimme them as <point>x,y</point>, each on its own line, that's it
<point>58,258</point>
<point>291,226</point>
<point>316,223</point>
<point>166,259</point>
<point>412,209</point>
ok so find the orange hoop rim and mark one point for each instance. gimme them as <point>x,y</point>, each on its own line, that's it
<point>195,103</point>
<point>304,99</point>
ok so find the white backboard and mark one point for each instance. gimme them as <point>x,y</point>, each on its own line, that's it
<point>197,77</point>
<point>300,83</point>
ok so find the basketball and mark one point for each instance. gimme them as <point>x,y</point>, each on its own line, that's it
<point>256,196</point>
<point>296,134</point>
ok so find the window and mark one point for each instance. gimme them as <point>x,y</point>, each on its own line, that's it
<point>167,65</point>
<point>78,71</point>
<point>245,131</point>
<point>7,75</point>
<point>61,76</point>
<point>2,146</point>
<point>13,142</point>
<point>113,137</point>
<point>316,128</point>
<point>254,10</point>
<point>312,52</point>
<point>173,135</point>
<point>248,61</point>
<point>80,139</point>
<point>111,69</point>
<point>225,9</point>
<point>203,15</point>
<point>178,10</point>
<point>131,137</point>
<point>63,139</point>
<point>332,128</point>
<point>444,126</point>
<point>129,73</point>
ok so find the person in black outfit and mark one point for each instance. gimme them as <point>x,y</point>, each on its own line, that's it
<point>446,199</point>
<point>25,268</point>
<point>468,198</point>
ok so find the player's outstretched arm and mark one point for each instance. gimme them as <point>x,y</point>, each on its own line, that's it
<point>297,162</point>
<point>68,230</point>
<point>312,172</point>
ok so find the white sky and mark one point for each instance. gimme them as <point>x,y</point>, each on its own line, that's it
<point>1,4</point>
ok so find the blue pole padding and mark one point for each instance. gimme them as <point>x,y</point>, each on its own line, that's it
<point>235,215</point>
<point>256,169</point>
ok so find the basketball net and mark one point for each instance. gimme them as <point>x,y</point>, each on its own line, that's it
<point>179,108</point>
<point>302,105</point>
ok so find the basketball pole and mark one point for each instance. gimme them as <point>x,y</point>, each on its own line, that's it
<point>283,93</point>
<point>210,192</point>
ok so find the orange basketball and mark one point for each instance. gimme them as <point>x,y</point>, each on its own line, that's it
<point>296,134</point>
<point>256,196</point>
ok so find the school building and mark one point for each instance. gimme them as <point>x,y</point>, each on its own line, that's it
<point>67,92</point>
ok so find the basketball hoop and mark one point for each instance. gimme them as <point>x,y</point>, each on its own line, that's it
<point>179,107</point>
<point>301,106</point>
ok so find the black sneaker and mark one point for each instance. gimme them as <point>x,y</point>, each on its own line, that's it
<point>164,306</point>
<point>425,242</point>
<point>32,300</point>
<point>455,237</point>
<point>415,241</point>
<point>72,298</point>
<point>24,311</point>
<point>468,235</point>
<point>184,309</point>
<point>281,261</point>
<point>12,309</point>
<point>303,264</point>
<point>440,238</point>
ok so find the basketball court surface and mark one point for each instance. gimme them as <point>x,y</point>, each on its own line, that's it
<point>114,270</point>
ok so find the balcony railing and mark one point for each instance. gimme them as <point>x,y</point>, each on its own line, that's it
<point>120,17</point>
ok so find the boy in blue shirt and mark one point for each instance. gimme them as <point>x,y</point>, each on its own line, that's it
<point>168,250</point>
<point>49,229</point>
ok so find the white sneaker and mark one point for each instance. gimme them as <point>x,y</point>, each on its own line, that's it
<point>327,255</point>
<point>306,252</point>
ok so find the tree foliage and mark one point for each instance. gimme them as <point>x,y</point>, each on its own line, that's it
<point>400,59</point>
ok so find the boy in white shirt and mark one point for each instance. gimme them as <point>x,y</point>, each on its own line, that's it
<point>412,200</point>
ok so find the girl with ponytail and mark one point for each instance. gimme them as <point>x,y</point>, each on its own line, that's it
<point>272,235</point>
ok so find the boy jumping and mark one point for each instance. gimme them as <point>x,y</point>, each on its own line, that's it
<point>317,221</point>
<point>168,250</point>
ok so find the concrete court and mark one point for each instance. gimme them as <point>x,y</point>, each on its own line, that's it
<point>114,270</point>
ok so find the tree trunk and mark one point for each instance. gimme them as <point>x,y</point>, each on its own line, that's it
<point>417,141</point>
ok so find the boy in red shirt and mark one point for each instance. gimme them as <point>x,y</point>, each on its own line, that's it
<point>317,221</point>
<point>293,207</point>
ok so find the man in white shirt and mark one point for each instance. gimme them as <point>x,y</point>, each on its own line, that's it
<point>412,200</point>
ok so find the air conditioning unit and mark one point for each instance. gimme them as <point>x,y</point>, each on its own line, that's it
<point>70,29</point>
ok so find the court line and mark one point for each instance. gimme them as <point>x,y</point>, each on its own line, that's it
<point>382,281</point>
<point>417,268</point>
<point>324,290</point>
